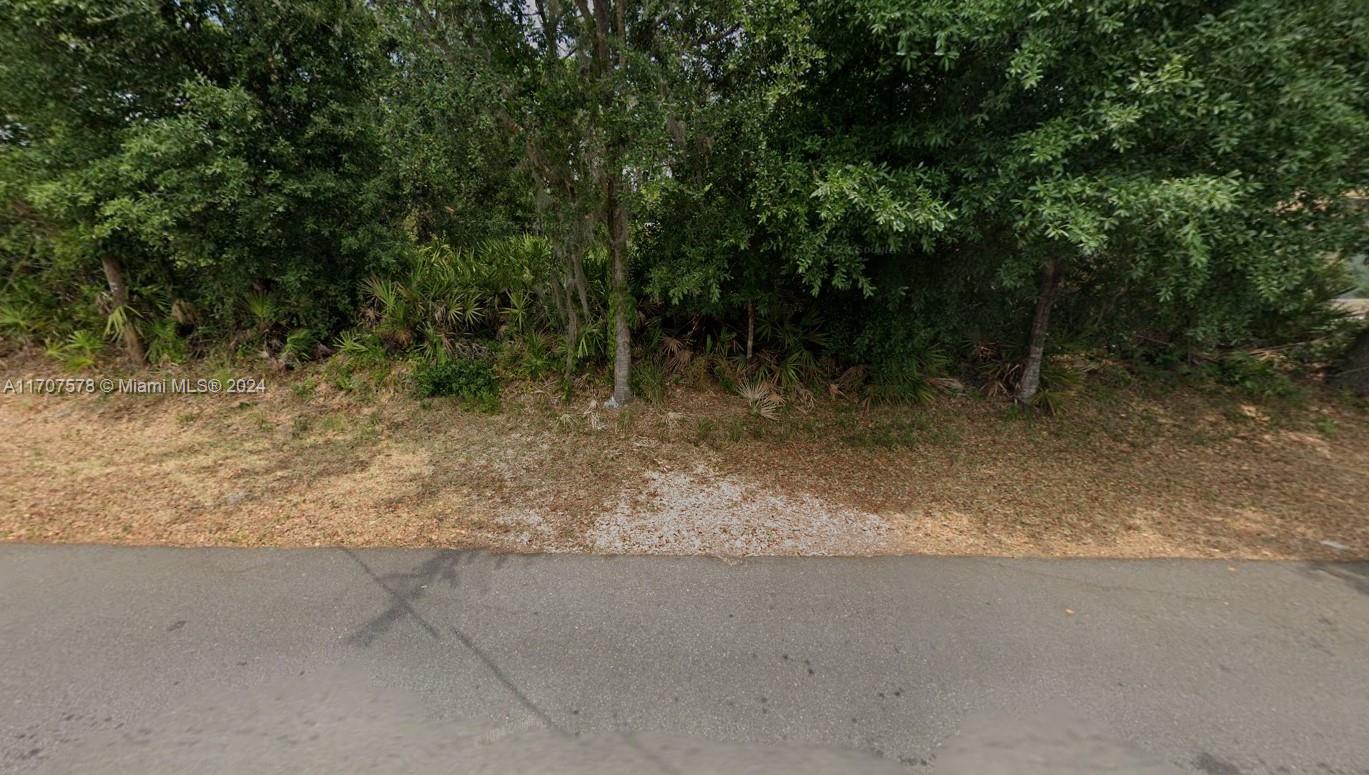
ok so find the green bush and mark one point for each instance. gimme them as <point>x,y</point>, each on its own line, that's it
<point>1253,376</point>
<point>531,356</point>
<point>648,380</point>
<point>78,351</point>
<point>471,381</point>
<point>299,346</point>
<point>1186,174</point>
<point>906,374</point>
<point>165,344</point>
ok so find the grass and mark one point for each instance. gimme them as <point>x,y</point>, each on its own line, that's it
<point>1129,470</point>
<point>299,427</point>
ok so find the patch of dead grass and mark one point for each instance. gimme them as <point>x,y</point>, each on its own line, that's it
<point>1132,475</point>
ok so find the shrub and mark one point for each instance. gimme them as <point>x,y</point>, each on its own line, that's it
<point>648,380</point>
<point>471,381</point>
<point>78,351</point>
<point>1254,376</point>
<point>900,364</point>
<point>299,347</point>
<point>530,355</point>
<point>360,346</point>
<point>165,344</point>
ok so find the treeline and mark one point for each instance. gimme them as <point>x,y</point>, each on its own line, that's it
<point>863,194</point>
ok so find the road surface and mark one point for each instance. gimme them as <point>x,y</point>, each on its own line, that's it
<point>330,660</point>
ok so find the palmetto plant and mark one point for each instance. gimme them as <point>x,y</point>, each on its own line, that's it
<point>18,319</point>
<point>299,346</point>
<point>450,294</point>
<point>358,344</point>
<point>263,310</point>
<point>762,398</point>
<point>78,350</point>
<point>516,311</point>
<point>165,344</point>
<point>676,354</point>
<point>118,320</point>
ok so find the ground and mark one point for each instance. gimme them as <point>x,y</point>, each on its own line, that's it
<point>1124,471</point>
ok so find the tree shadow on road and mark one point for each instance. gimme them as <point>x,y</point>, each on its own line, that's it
<point>445,567</point>
<point>405,588</point>
<point>1354,574</point>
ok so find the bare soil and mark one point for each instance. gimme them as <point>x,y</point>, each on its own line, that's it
<point>1125,472</point>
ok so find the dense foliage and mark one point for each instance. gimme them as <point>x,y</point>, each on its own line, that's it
<point>862,194</point>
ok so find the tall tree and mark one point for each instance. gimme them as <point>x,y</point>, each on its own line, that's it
<point>601,92</point>
<point>76,77</point>
<point>209,149</point>
<point>1187,161</point>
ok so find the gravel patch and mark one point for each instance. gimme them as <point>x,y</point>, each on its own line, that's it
<point>703,512</point>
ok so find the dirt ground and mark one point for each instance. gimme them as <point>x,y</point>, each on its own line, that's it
<point>1125,472</point>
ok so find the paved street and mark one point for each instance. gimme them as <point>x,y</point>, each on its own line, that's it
<point>328,660</point>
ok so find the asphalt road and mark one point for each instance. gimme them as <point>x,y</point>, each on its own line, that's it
<point>325,660</point>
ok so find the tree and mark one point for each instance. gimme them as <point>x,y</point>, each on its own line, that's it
<point>887,181</point>
<point>594,89</point>
<point>76,77</point>
<point>1191,162</point>
<point>1159,168</point>
<point>207,150</point>
<point>705,250</point>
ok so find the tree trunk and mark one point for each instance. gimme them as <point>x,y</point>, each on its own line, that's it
<point>622,332</point>
<point>577,263</point>
<point>114,274</point>
<point>564,297</point>
<point>572,334</point>
<point>750,329</point>
<point>1036,343</point>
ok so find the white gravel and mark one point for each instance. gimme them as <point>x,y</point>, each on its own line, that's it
<point>703,512</point>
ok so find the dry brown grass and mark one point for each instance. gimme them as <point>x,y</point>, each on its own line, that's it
<point>1127,475</point>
